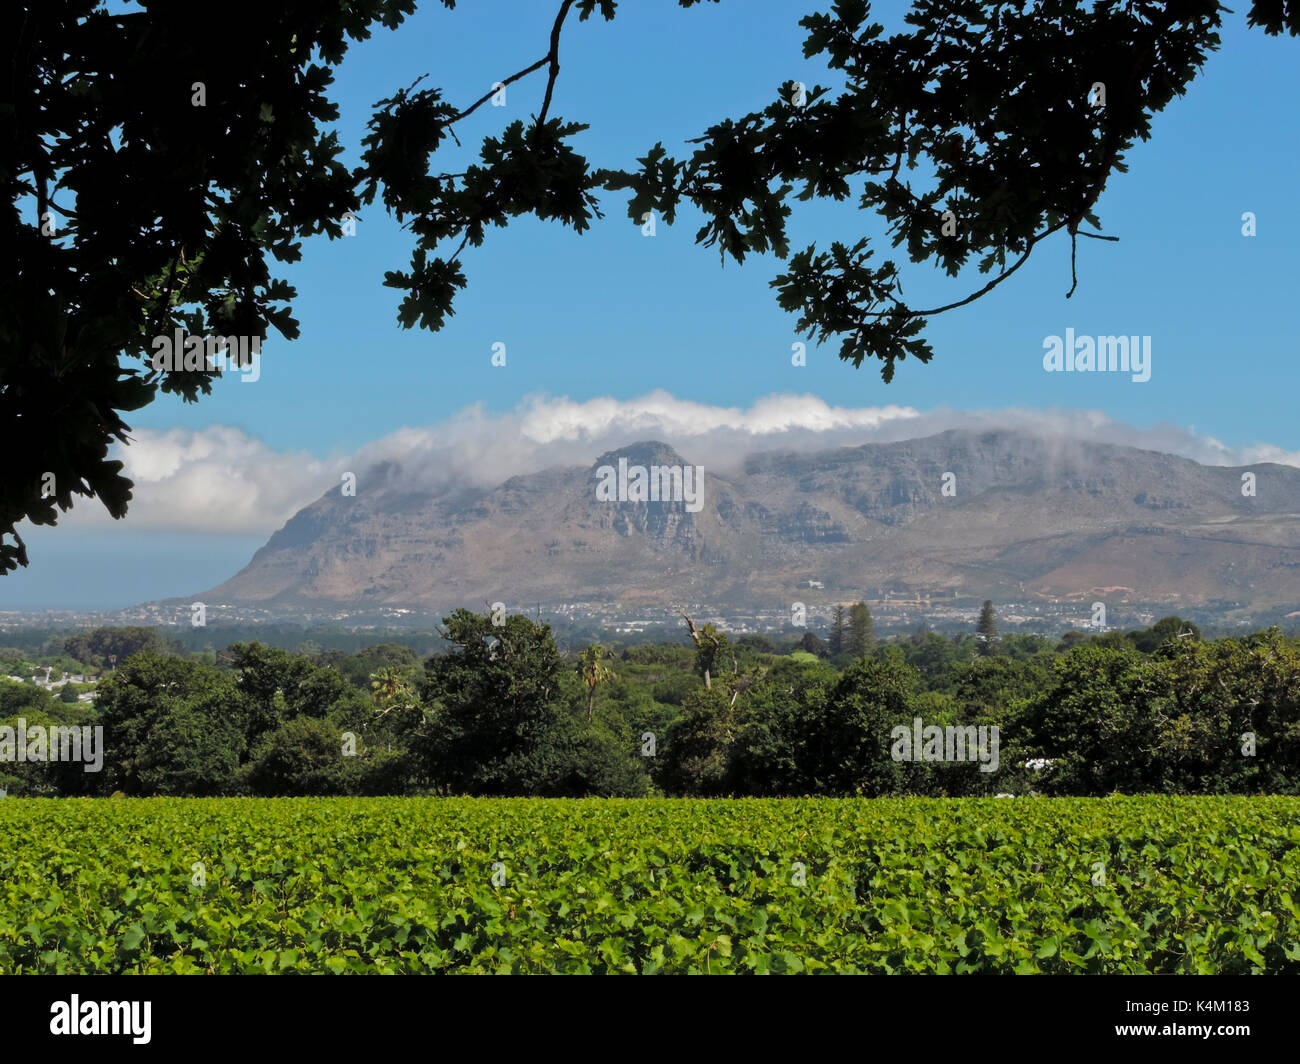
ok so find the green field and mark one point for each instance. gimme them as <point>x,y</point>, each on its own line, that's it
<point>397,885</point>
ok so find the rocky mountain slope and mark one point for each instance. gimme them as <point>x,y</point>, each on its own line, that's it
<point>1024,518</point>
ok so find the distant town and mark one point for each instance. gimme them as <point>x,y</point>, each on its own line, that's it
<point>892,612</point>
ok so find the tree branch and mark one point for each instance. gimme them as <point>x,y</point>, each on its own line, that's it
<point>1074,275</point>
<point>1033,241</point>
<point>487,96</point>
<point>554,57</point>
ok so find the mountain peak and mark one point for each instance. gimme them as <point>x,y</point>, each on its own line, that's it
<point>643,453</point>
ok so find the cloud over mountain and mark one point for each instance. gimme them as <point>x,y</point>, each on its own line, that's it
<point>222,480</point>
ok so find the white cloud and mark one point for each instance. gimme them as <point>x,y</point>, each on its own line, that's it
<point>216,480</point>
<point>221,480</point>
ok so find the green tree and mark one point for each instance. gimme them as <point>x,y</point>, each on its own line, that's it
<point>102,647</point>
<point>1025,647</point>
<point>16,699</point>
<point>1227,715</point>
<point>814,644</point>
<point>599,756</point>
<point>1096,723</point>
<point>280,686</point>
<point>836,640</point>
<point>774,753</point>
<point>673,687</point>
<point>861,635</point>
<point>1168,631</point>
<point>304,756</point>
<point>693,758</point>
<point>986,630</point>
<point>496,707</point>
<point>935,657</point>
<point>998,691</point>
<point>988,687</point>
<point>38,707</point>
<point>845,749</point>
<point>172,727</point>
<point>1072,639</point>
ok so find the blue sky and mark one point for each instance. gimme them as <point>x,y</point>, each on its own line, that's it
<point>616,314</point>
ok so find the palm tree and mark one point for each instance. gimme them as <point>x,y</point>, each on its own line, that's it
<point>390,690</point>
<point>385,684</point>
<point>594,671</point>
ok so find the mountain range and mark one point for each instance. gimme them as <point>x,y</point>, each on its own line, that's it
<point>962,514</point>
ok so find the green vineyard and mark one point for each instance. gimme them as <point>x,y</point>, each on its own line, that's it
<point>416,885</point>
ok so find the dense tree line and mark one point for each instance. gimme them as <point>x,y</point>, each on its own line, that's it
<point>504,711</point>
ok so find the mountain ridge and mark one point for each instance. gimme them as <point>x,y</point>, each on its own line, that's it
<point>1037,517</point>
